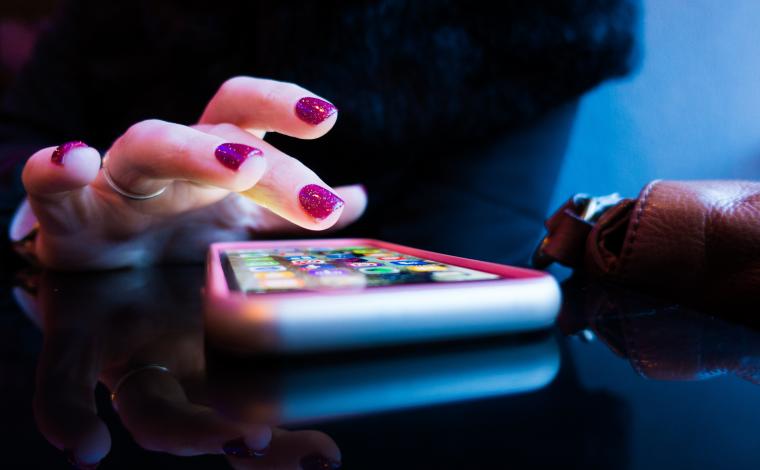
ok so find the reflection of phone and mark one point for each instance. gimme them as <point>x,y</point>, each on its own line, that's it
<point>305,392</point>
<point>293,296</point>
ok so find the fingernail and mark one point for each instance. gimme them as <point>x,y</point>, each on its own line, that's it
<point>72,459</point>
<point>319,202</point>
<point>238,448</point>
<point>233,155</point>
<point>314,110</point>
<point>318,462</point>
<point>60,152</point>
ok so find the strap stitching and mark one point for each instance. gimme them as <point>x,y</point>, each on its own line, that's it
<point>628,253</point>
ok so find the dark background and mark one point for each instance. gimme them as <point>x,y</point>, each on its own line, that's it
<point>692,110</point>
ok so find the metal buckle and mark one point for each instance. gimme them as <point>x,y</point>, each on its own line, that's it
<point>589,209</point>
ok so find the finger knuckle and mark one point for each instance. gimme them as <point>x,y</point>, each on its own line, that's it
<point>234,84</point>
<point>144,128</point>
<point>139,133</point>
<point>162,138</point>
<point>173,144</point>
<point>275,93</point>
<point>224,129</point>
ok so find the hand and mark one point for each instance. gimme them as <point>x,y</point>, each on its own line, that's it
<point>85,224</point>
<point>102,326</point>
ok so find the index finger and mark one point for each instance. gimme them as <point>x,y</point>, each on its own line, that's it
<point>270,105</point>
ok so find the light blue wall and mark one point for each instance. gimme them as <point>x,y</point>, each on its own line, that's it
<point>692,109</point>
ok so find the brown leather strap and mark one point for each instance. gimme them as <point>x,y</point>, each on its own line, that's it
<point>568,229</point>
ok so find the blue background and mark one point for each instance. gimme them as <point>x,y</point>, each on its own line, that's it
<point>690,111</point>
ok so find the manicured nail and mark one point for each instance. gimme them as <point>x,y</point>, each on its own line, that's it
<point>238,448</point>
<point>233,155</point>
<point>314,110</point>
<point>60,152</point>
<point>76,463</point>
<point>318,462</point>
<point>319,202</point>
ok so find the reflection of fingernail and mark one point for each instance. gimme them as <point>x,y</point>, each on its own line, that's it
<point>238,448</point>
<point>76,463</point>
<point>314,110</point>
<point>233,155</point>
<point>319,202</point>
<point>60,152</point>
<point>318,462</point>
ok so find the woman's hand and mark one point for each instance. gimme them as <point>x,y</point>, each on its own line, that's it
<point>199,171</point>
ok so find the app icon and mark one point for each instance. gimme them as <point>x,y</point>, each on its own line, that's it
<point>379,270</point>
<point>340,255</point>
<point>299,258</point>
<point>300,262</point>
<point>376,256</point>
<point>366,251</point>
<point>312,267</point>
<point>292,283</point>
<point>327,272</point>
<point>364,264</point>
<point>426,268</point>
<point>410,262</point>
<point>350,260</point>
<point>253,255</point>
<point>262,269</point>
<point>274,275</point>
<point>348,280</point>
<point>261,263</point>
<point>389,257</point>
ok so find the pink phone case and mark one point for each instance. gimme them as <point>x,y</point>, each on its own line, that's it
<point>336,319</point>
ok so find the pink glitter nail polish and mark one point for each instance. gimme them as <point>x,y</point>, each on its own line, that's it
<point>60,152</point>
<point>233,155</point>
<point>319,202</point>
<point>314,110</point>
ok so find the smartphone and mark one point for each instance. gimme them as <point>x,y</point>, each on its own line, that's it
<point>298,296</point>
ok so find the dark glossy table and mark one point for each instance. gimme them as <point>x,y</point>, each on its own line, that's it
<point>624,381</point>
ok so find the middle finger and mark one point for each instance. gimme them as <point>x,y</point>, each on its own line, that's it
<point>153,153</point>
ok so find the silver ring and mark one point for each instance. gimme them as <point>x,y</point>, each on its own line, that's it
<point>133,372</point>
<point>124,192</point>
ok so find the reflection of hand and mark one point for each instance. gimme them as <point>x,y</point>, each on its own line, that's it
<point>101,327</point>
<point>85,223</point>
<point>294,450</point>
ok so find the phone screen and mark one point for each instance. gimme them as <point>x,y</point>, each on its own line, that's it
<point>261,271</point>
